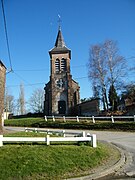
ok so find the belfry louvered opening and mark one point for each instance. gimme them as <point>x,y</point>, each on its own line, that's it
<point>57,65</point>
<point>63,64</point>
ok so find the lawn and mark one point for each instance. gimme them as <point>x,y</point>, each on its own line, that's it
<point>26,122</point>
<point>28,162</point>
<point>99,125</point>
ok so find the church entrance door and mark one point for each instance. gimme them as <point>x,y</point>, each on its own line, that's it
<point>62,107</point>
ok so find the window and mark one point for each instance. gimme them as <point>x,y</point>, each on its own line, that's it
<point>57,65</point>
<point>63,64</point>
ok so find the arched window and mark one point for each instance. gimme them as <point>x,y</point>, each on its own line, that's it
<point>57,65</point>
<point>63,64</point>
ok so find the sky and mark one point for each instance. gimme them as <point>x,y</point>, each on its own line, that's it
<point>32,27</point>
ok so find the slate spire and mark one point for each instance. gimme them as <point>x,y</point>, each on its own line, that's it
<point>60,46</point>
<point>59,40</point>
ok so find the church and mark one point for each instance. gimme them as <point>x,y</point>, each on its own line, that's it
<point>62,93</point>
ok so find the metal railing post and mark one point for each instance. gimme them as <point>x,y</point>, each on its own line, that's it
<point>93,120</point>
<point>1,140</point>
<point>53,118</point>
<point>64,135</point>
<point>77,118</point>
<point>112,119</point>
<point>45,118</point>
<point>94,140</point>
<point>64,118</point>
<point>83,134</point>
<point>47,140</point>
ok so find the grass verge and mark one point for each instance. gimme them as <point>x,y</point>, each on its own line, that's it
<point>28,162</point>
<point>99,125</point>
<point>27,134</point>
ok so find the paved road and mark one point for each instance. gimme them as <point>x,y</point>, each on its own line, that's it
<point>124,140</point>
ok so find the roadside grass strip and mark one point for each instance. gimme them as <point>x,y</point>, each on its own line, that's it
<point>53,162</point>
<point>98,125</point>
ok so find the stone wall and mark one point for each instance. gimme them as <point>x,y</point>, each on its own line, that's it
<point>89,108</point>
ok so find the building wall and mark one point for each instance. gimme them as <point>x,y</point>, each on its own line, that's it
<point>2,89</point>
<point>6,115</point>
<point>66,93</point>
<point>69,93</point>
<point>89,108</point>
<point>61,92</point>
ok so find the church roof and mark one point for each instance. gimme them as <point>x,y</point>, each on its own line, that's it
<point>59,40</point>
<point>59,44</point>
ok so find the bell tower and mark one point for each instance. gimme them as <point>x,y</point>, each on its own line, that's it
<point>61,92</point>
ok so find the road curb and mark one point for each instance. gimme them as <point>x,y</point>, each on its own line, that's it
<point>106,171</point>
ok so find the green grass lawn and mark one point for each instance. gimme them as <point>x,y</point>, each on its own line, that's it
<point>25,122</point>
<point>86,124</point>
<point>28,162</point>
<point>26,134</point>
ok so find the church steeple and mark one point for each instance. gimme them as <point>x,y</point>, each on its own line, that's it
<point>61,92</point>
<point>60,46</point>
<point>59,40</point>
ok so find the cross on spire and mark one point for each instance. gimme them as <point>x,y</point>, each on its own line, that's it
<point>59,21</point>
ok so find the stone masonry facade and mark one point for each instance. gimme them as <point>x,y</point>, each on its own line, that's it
<point>2,90</point>
<point>62,93</point>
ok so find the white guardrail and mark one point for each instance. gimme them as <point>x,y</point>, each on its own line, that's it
<point>48,139</point>
<point>93,118</point>
<point>63,133</point>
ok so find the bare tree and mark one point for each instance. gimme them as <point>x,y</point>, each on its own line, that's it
<point>116,64</point>
<point>132,68</point>
<point>106,68</point>
<point>116,69</point>
<point>21,100</point>
<point>9,102</point>
<point>97,71</point>
<point>36,101</point>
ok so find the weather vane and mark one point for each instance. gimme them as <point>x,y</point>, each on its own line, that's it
<point>59,21</point>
